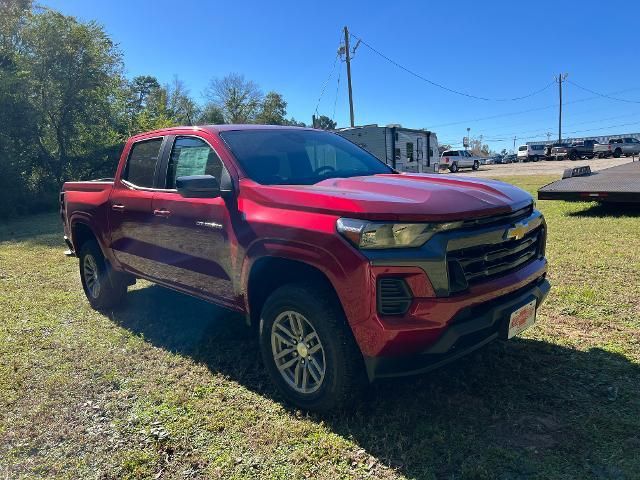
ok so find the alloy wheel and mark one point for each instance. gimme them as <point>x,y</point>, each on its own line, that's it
<point>298,352</point>
<point>91,279</point>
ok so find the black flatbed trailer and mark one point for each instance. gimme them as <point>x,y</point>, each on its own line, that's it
<point>619,184</point>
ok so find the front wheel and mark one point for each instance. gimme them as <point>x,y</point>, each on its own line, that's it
<point>103,287</point>
<point>476,165</point>
<point>309,350</point>
<point>573,156</point>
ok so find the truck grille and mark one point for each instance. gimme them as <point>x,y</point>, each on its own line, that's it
<point>475,264</point>
<point>394,296</point>
<point>499,219</point>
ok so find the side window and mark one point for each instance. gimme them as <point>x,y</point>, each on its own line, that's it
<point>410,151</point>
<point>397,154</point>
<point>141,165</point>
<point>192,156</point>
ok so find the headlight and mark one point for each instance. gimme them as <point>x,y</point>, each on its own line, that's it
<point>375,235</point>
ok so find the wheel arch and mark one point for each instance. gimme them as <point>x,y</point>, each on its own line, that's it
<point>269,272</point>
<point>82,230</point>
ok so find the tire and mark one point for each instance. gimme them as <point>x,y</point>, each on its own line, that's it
<point>476,165</point>
<point>335,372</point>
<point>617,153</point>
<point>573,156</point>
<point>103,287</point>
<point>535,159</point>
<point>453,168</point>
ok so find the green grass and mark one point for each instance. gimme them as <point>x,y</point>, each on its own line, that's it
<point>171,387</point>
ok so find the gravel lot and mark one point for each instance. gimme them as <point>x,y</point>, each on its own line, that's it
<point>542,167</point>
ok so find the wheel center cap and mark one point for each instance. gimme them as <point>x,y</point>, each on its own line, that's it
<point>302,350</point>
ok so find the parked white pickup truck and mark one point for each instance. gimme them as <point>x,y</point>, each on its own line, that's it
<point>617,147</point>
<point>453,160</point>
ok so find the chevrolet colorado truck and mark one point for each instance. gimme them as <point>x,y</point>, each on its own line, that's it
<point>350,271</point>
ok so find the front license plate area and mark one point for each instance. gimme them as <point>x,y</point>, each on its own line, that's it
<point>521,319</point>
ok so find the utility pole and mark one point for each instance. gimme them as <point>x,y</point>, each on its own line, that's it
<point>560,78</point>
<point>348,57</point>
<point>514,144</point>
<point>466,147</point>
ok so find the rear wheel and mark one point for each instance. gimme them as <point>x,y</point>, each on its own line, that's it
<point>309,350</point>
<point>453,168</point>
<point>617,153</point>
<point>103,287</point>
<point>573,155</point>
<point>476,165</point>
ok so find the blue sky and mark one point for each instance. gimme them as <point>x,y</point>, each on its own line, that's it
<point>488,49</point>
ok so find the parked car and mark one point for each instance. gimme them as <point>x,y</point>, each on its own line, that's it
<point>530,153</point>
<point>617,147</point>
<point>511,158</point>
<point>454,160</point>
<point>350,270</point>
<point>574,151</point>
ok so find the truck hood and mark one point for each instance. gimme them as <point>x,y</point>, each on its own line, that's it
<point>394,197</point>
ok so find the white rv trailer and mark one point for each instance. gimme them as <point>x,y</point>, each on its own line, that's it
<point>405,149</point>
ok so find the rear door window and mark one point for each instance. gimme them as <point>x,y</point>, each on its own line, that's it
<point>141,165</point>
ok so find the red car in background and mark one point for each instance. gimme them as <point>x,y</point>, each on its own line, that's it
<point>352,271</point>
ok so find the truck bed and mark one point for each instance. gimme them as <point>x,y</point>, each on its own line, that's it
<point>616,184</point>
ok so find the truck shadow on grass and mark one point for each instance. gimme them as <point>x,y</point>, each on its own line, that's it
<point>522,409</point>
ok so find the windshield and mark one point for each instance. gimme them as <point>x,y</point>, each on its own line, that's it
<point>299,157</point>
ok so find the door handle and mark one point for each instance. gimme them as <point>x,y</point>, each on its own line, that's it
<point>117,207</point>
<point>161,212</point>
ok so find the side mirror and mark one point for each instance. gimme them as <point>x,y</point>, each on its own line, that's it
<point>198,186</point>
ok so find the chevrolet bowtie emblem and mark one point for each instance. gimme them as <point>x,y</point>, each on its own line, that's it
<point>517,232</point>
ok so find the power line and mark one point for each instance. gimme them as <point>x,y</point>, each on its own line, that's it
<point>326,82</point>
<point>335,101</point>
<point>542,135</point>
<point>519,112</point>
<point>451,90</point>
<point>602,94</point>
<point>493,134</point>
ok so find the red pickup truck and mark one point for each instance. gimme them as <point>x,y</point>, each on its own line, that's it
<point>351,270</point>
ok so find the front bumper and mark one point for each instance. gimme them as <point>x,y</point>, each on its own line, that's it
<point>471,328</point>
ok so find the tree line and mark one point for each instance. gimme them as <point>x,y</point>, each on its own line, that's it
<point>66,106</point>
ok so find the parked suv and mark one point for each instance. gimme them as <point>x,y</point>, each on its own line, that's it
<point>454,160</point>
<point>350,270</point>
<point>531,153</point>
